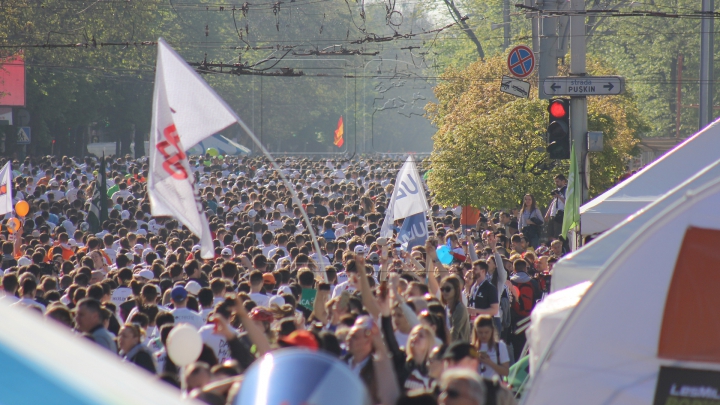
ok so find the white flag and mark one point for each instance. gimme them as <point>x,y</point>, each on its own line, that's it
<point>198,112</point>
<point>408,196</point>
<point>6,198</point>
<point>389,223</point>
<point>185,109</point>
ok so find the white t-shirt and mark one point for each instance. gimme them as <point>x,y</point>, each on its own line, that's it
<point>184,315</point>
<point>261,299</point>
<point>120,295</point>
<point>504,358</point>
<point>160,359</point>
<point>217,342</point>
<point>346,286</point>
<point>27,302</point>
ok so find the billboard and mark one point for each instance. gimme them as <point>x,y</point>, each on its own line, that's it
<point>12,81</point>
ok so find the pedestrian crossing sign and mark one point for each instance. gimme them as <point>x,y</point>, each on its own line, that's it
<point>23,136</point>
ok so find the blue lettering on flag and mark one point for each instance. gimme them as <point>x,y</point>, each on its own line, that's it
<point>413,231</point>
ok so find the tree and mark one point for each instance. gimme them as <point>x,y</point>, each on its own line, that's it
<point>490,146</point>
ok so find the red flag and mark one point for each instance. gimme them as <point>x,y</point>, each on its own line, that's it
<point>339,141</point>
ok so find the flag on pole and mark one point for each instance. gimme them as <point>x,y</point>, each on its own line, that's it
<point>408,196</point>
<point>339,141</point>
<point>98,212</point>
<point>573,198</point>
<point>389,223</point>
<point>186,110</point>
<point>6,198</point>
<point>413,232</point>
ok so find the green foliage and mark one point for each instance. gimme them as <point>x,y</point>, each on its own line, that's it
<point>490,146</point>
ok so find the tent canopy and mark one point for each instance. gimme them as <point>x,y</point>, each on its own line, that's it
<point>611,347</point>
<point>616,204</point>
<point>224,145</point>
<point>585,263</point>
<point>44,363</point>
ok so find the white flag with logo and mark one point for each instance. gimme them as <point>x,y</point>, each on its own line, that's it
<point>185,111</point>
<point>6,199</point>
<point>408,196</point>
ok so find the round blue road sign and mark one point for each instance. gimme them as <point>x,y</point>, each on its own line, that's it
<point>521,61</point>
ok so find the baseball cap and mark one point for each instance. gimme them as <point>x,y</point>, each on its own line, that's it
<point>252,213</point>
<point>178,293</point>
<point>285,290</point>
<point>226,252</point>
<point>373,257</point>
<point>459,350</point>
<point>192,287</point>
<point>146,274</point>
<point>268,278</point>
<point>195,248</point>
<point>277,300</point>
<point>300,338</point>
<point>360,250</point>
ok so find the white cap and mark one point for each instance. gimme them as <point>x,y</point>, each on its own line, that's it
<point>139,247</point>
<point>360,250</point>
<point>125,214</point>
<point>280,207</point>
<point>271,183</point>
<point>146,274</point>
<point>226,252</point>
<point>145,252</point>
<point>277,300</point>
<point>284,290</point>
<point>252,213</point>
<point>192,287</point>
<point>24,261</point>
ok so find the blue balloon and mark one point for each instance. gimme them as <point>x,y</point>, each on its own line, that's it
<point>444,254</point>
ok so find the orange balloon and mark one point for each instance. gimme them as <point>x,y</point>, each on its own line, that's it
<point>22,208</point>
<point>13,225</point>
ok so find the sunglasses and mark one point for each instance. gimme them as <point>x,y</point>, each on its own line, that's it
<point>446,289</point>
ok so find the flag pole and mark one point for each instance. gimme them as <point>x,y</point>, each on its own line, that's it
<point>288,185</point>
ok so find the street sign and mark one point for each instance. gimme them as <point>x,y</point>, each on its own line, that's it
<point>515,87</point>
<point>521,61</point>
<point>583,86</point>
<point>23,136</point>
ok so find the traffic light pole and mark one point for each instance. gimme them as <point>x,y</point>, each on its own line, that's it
<point>578,104</point>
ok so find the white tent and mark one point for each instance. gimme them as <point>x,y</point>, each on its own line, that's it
<point>224,145</point>
<point>646,186</point>
<point>44,363</point>
<point>546,318</point>
<point>651,310</point>
<point>585,263</point>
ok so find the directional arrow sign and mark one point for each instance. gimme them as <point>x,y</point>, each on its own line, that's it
<point>583,86</point>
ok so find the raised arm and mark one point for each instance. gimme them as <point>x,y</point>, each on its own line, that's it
<point>365,291</point>
<point>256,335</point>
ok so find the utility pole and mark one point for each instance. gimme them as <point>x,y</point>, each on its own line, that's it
<point>578,104</point>
<point>706,62</point>
<point>548,43</point>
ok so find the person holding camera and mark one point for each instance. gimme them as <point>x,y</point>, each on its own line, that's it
<point>530,220</point>
<point>556,208</point>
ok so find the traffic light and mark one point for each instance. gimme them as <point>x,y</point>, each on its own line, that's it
<point>558,130</point>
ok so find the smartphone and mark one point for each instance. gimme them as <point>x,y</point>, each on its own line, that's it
<point>324,287</point>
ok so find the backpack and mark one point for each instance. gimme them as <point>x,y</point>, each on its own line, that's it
<point>523,305</point>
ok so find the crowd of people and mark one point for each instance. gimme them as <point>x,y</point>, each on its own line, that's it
<point>414,330</point>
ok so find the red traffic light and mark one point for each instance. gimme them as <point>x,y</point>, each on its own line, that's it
<point>557,109</point>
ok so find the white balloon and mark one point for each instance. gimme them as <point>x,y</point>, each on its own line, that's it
<point>184,344</point>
